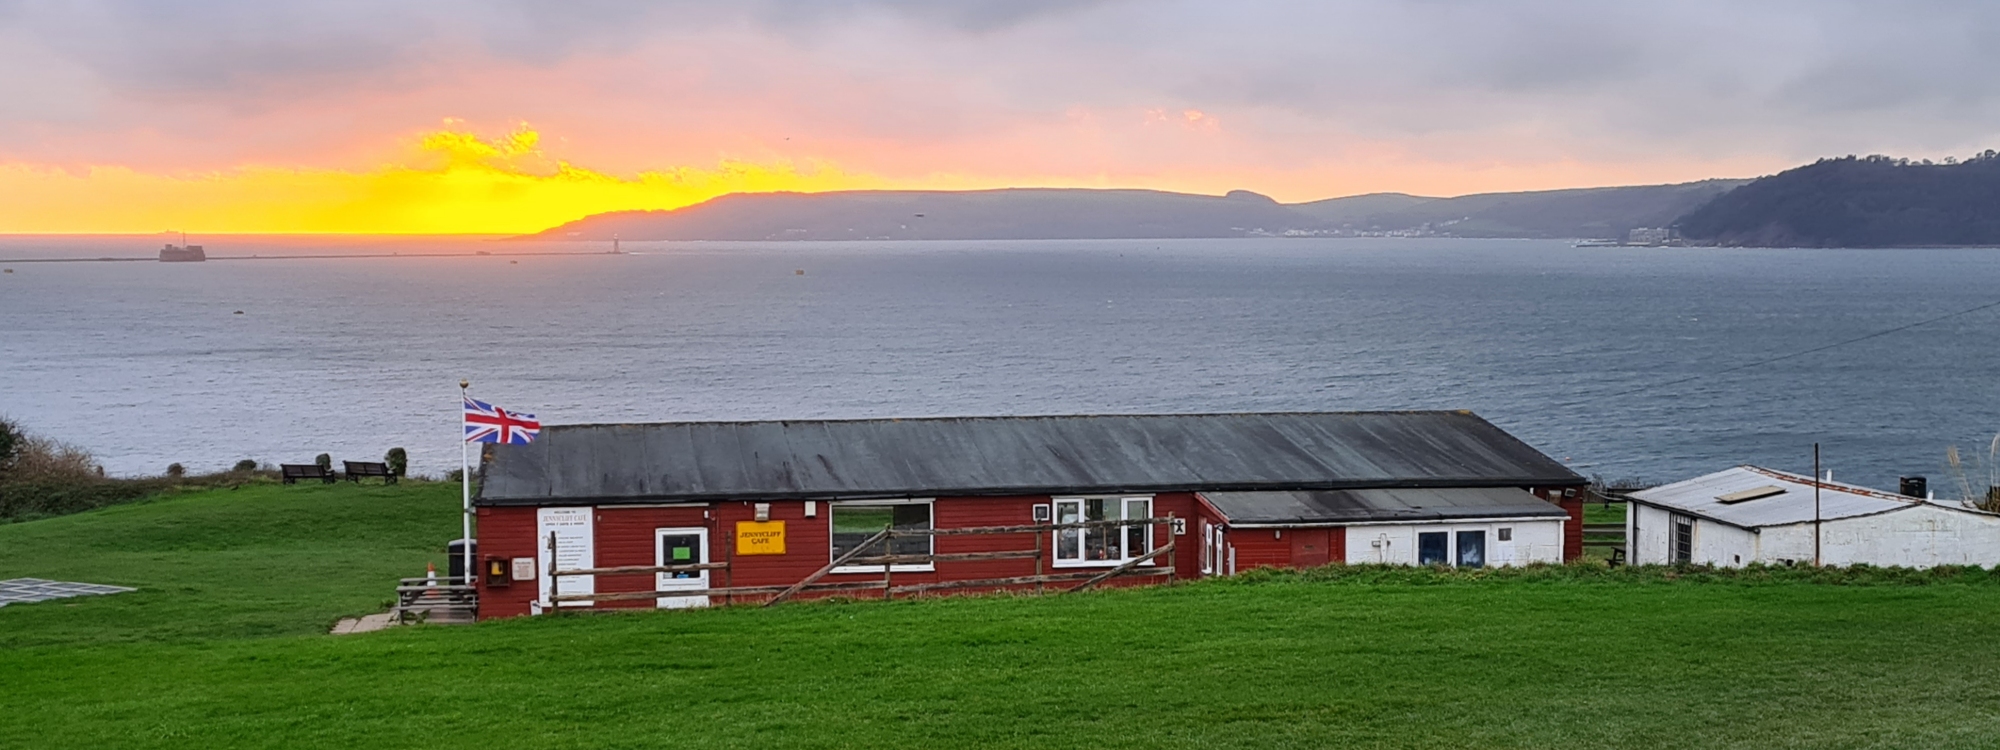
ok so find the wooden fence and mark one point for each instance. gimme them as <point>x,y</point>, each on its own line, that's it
<point>881,540</point>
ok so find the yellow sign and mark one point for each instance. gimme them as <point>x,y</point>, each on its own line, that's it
<point>760,537</point>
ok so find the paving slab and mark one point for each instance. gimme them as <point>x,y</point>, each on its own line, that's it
<point>24,590</point>
<point>364,624</point>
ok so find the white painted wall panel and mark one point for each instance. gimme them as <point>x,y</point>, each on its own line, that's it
<point>1651,542</point>
<point>1532,541</point>
<point>1381,545</point>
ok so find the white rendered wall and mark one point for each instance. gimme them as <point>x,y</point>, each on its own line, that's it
<point>1722,545</point>
<point>1783,545</point>
<point>1533,541</point>
<point>1921,536</point>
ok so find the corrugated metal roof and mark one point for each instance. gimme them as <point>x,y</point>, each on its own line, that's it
<point>1700,497</point>
<point>965,456</point>
<point>1391,504</point>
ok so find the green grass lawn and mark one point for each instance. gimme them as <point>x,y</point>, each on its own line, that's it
<point>222,647</point>
<point>1603,512</point>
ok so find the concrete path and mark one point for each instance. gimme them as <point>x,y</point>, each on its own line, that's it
<point>367,624</point>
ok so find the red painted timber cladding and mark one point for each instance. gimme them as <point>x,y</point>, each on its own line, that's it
<point>506,533</point>
<point>1288,548</point>
<point>626,536</point>
<point>1260,548</point>
<point>629,536</point>
<point>1573,530</point>
<point>1311,548</point>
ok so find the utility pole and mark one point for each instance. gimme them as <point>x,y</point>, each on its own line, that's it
<point>1816,480</point>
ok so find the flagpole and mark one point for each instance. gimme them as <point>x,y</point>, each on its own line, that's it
<point>465,483</point>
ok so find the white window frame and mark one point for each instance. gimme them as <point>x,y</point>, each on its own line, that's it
<point>1055,537</point>
<point>833,510</point>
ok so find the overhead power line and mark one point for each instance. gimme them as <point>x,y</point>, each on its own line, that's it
<point>1804,352</point>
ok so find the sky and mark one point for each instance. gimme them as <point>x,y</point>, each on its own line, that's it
<point>513,116</point>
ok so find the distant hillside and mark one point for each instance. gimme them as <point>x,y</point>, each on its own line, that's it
<point>1583,212</point>
<point>1051,213</point>
<point>1022,213</point>
<point>1859,202</point>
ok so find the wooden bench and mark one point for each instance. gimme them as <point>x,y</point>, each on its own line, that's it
<point>292,473</point>
<point>358,469</point>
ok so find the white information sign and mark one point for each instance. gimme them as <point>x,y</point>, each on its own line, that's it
<point>576,547</point>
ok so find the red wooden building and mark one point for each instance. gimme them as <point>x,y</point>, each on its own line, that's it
<point>708,510</point>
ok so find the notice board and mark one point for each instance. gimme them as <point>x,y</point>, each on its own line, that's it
<point>760,537</point>
<point>576,547</point>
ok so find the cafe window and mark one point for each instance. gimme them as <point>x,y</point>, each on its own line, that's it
<point>1102,545</point>
<point>854,523</point>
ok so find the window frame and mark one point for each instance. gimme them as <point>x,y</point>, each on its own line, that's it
<point>1124,504</point>
<point>832,512</point>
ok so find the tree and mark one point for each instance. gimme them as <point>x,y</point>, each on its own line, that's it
<point>398,461</point>
<point>10,443</point>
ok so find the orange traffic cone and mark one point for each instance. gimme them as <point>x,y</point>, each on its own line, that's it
<point>431,576</point>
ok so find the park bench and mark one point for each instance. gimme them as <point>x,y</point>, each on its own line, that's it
<point>358,469</point>
<point>292,473</point>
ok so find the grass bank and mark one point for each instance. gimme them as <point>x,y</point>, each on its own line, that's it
<point>1562,657</point>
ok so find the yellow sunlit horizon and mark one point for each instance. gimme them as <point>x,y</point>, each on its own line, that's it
<point>452,180</point>
<point>456,182</point>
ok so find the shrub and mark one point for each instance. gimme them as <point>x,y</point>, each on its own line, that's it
<point>325,461</point>
<point>248,464</point>
<point>456,475</point>
<point>40,459</point>
<point>176,471</point>
<point>398,461</point>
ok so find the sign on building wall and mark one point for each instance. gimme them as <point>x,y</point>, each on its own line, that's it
<point>760,537</point>
<point>576,548</point>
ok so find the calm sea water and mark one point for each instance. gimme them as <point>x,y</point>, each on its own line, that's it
<point>148,363</point>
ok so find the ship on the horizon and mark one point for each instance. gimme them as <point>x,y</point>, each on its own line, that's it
<point>186,254</point>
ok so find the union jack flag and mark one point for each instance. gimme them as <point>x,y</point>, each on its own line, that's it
<point>486,423</point>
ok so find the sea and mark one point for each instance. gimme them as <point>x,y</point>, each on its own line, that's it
<point>1628,364</point>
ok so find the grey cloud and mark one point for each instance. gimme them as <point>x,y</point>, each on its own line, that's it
<point>1799,77</point>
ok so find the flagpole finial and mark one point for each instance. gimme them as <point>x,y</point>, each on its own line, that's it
<point>464,384</point>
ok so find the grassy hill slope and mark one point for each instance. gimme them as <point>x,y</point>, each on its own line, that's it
<point>265,559</point>
<point>1338,657</point>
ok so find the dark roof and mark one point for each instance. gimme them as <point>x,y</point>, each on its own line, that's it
<point>1390,504</point>
<point>966,456</point>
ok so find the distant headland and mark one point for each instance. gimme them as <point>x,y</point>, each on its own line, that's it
<point>1062,213</point>
<point>1874,201</point>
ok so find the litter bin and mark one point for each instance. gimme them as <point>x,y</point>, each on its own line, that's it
<point>457,551</point>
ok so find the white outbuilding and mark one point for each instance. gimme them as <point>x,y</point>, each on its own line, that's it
<point>1750,514</point>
